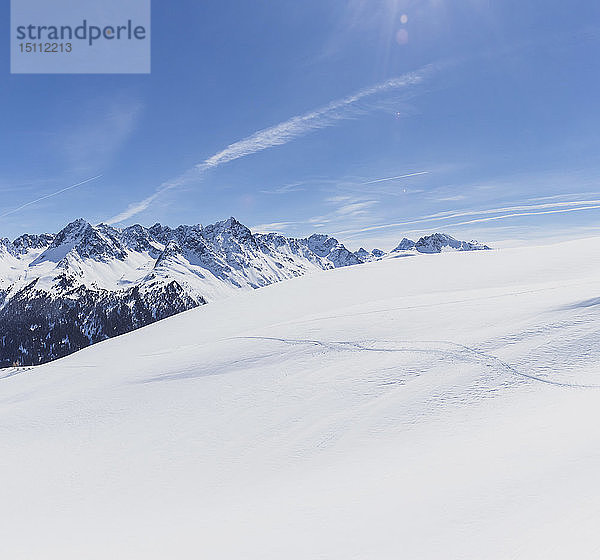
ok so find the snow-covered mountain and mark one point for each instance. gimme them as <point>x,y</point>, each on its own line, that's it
<point>438,242</point>
<point>404,245</point>
<point>60,293</point>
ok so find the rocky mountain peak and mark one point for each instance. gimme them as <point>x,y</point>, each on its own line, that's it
<point>404,245</point>
<point>85,241</point>
<point>27,242</point>
<point>438,242</point>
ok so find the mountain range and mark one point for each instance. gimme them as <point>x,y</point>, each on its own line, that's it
<point>60,293</point>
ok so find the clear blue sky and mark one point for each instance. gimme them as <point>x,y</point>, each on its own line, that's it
<point>494,104</point>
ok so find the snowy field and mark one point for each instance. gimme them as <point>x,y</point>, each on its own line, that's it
<point>427,407</point>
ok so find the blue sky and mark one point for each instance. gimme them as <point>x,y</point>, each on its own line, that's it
<point>367,119</point>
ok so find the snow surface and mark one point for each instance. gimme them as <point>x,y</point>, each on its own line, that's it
<point>436,407</point>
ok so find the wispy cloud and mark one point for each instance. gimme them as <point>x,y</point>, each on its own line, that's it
<point>385,179</point>
<point>521,214</point>
<point>453,198</point>
<point>300,125</point>
<point>50,195</point>
<point>355,208</point>
<point>558,196</point>
<point>282,133</point>
<point>485,215</point>
<point>284,189</point>
<point>344,209</point>
<point>273,226</point>
<point>515,208</point>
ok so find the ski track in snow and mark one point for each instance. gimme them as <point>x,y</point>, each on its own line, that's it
<point>409,346</point>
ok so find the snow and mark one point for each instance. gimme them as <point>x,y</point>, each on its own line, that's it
<point>210,262</point>
<point>436,407</point>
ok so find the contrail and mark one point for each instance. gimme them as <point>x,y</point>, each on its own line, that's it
<point>49,196</point>
<point>557,208</point>
<point>300,125</point>
<point>280,134</point>
<point>505,216</point>
<point>397,177</point>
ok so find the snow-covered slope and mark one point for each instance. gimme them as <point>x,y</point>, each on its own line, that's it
<point>60,293</point>
<point>372,412</point>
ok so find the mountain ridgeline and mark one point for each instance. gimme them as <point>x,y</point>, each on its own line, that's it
<point>60,293</point>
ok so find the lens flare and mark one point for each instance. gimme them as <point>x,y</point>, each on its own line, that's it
<point>402,37</point>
